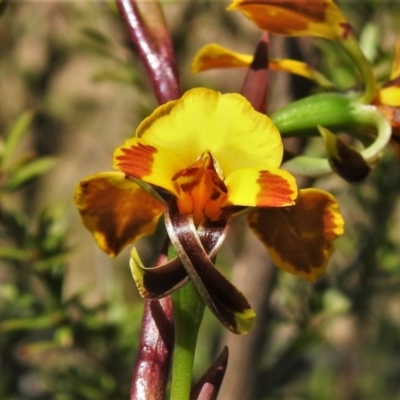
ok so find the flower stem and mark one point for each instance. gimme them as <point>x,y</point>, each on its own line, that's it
<point>188,309</point>
<point>339,113</point>
<point>351,47</point>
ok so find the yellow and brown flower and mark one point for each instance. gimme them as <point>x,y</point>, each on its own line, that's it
<point>206,156</point>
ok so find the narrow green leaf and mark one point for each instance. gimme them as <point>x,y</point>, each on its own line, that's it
<point>97,36</point>
<point>28,172</point>
<point>10,253</point>
<point>126,75</point>
<point>14,136</point>
<point>45,321</point>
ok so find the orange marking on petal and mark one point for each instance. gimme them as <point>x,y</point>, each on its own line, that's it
<point>136,160</point>
<point>282,190</point>
<point>201,191</point>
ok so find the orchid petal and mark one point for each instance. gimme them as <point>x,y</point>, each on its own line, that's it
<point>389,94</point>
<point>214,56</point>
<point>300,238</point>
<point>161,280</point>
<point>153,164</point>
<point>226,125</point>
<point>295,18</point>
<point>157,282</point>
<point>225,301</point>
<point>115,210</point>
<point>254,188</point>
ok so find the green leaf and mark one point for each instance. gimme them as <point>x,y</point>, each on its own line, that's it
<point>28,172</point>
<point>125,75</point>
<point>96,36</point>
<point>9,253</point>
<point>14,136</point>
<point>38,322</point>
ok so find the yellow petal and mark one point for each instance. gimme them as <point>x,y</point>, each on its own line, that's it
<point>295,17</point>
<point>115,210</point>
<point>300,238</point>
<point>255,188</point>
<point>302,69</point>
<point>150,163</point>
<point>226,125</point>
<point>389,95</point>
<point>212,56</point>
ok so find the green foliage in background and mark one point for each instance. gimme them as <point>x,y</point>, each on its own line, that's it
<point>50,347</point>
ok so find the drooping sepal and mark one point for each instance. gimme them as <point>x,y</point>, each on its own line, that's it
<point>157,282</point>
<point>347,162</point>
<point>116,210</point>
<point>163,279</point>
<point>224,300</point>
<point>300,238</point>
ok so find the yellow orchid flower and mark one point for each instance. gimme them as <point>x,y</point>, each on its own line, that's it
<point>206,156</point>
<point>320,18</point>
<point>296,17</point>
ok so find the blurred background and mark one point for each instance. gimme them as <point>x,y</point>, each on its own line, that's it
<point>72,89</point>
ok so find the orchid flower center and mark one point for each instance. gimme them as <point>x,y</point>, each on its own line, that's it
<point>202,191</point>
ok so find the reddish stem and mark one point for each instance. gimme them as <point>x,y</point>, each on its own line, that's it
<point>154,49</point>
<point>208,386</point>
<point>151,371</point>
<point>149,34</point>
<point>150,375</point>
<point>255,84</point>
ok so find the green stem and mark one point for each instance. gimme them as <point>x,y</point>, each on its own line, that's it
<point>188,309</point>
<point>351,47</point>
<point>333,111</point>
